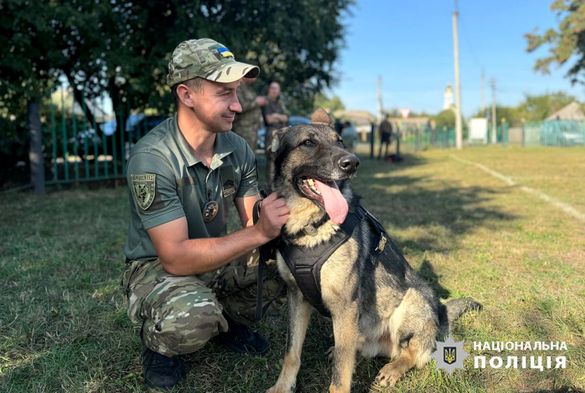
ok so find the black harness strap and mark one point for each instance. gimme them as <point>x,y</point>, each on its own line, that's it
<point>266,252</point>
<point>305,263</point>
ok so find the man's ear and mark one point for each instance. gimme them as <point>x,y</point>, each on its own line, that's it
<point>320,116</point>
<point>277,136</point>
<point>184,95</point>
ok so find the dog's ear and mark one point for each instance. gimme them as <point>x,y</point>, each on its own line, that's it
<point>320,116</point>
<point>277,136</point>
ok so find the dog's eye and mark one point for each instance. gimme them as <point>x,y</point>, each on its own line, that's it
<point>308,142</point>
<point>340,143</point>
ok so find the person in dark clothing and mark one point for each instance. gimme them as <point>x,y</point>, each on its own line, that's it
<point>385,136</point>
<point>275,117</point>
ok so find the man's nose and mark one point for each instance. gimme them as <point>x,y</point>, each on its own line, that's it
<point>235,105</point>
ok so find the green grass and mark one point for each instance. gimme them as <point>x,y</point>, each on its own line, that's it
<point>62,318</point>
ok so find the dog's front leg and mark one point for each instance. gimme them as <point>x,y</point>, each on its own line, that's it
<point>345,331</point>
<point>299,311</point>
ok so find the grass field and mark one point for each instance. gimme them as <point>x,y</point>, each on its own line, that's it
<point>63,326</point>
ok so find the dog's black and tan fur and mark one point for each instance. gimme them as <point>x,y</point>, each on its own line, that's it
<point>378,308</point>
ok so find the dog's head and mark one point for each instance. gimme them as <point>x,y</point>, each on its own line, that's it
<point>311,161</point>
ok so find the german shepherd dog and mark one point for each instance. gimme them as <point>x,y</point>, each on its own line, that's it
<point>379,306</point>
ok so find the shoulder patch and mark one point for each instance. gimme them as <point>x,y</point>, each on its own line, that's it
<point>144,189</point>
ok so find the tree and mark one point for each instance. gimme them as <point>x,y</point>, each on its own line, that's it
<point>332,104</point>
<point>566,42</point>
<point>122,48</point>
<point>539,107</point>
<point>507,114</point>
<point>445,119</point>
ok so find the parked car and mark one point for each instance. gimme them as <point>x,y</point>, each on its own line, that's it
<point>292,121</point>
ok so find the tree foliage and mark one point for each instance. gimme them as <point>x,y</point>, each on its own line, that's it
<point>534,107</point>
<point>330,103</point>
<point>445,119</point>
<point>565,42</point>
<point>122,48</point>
<point>539,107</point>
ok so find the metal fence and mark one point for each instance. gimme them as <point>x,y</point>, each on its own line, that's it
<point>554,133</point>
<point>75,151</point>
<point>417,139</point>
<point>79,151</point>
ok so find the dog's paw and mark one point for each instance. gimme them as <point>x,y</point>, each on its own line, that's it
<point>279,389</point>
<point>388,376</point>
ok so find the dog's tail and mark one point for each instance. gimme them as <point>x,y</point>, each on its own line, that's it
<point>453,309</point>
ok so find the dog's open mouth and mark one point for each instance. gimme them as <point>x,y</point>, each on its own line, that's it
<point>326,195</point>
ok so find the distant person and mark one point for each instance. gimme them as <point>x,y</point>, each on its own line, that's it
<point>247,122</point>
<point>385,136</point>
<point>349,135</point>
<point>275,117</point>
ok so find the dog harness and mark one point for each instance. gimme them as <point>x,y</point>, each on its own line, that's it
<point>305,263</point>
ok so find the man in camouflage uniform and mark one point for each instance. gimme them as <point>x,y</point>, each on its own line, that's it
<point>275,117</point>
<point>249,120</point>
<point>186,280</point>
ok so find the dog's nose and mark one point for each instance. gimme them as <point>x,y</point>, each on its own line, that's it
<point>348,163</point>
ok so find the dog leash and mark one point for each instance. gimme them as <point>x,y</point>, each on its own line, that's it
<point>266,252</point>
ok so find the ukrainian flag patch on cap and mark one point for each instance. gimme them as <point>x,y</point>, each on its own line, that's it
<point>225,52</point>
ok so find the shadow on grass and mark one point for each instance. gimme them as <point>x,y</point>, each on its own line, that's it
<point>435,211</point>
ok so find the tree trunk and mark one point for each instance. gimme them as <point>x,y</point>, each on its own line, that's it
<point>35,153</point>
<point>77,94</point>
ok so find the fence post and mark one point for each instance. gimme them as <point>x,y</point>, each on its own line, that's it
<point>64,136</point>
<point>35,154</point>
<point>75,140</point>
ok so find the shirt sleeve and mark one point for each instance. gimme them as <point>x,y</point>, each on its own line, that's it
<point>154,190</point>
<point>249,180</point>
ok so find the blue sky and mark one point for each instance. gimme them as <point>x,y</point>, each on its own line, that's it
<point>410,44</point>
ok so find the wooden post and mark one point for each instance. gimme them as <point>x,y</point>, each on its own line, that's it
<point>35,153</point>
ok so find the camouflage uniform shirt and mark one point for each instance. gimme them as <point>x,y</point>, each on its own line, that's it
<point>247,123</point>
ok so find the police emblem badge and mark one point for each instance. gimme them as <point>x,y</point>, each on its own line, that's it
<point>144,187</point>
<point>449,355</point>
<point>210,211</point>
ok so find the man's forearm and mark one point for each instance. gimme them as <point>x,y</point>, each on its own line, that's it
<point>197,256</point>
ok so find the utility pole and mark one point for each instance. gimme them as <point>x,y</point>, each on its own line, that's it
<point>482,98</point>
<point>373,127</point>
<point>380,102</point>
<point>494,120</point>
<point>458,125</point>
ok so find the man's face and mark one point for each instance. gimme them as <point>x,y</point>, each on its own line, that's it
<point>215,105</point>
<point>274,90</point>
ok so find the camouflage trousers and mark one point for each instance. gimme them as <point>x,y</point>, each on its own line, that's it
<point>179,314</point>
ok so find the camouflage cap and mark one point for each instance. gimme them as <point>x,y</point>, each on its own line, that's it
<point>207,59</point>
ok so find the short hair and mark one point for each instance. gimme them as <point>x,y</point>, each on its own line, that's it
<point>195,84</point>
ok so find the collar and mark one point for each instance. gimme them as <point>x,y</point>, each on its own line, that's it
<point>309,230</point>
<point>222,148</point>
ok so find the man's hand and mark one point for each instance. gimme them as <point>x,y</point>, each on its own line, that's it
<point>273,215</point>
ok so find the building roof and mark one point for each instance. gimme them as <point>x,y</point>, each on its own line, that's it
<point>356,116</point>
<point>572,111</point>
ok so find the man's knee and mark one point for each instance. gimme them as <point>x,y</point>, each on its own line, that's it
<point>184,322</point>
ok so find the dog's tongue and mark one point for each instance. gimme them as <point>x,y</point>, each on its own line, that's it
<point>335,204</point>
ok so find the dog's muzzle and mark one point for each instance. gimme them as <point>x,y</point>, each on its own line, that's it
<point>348,164</point>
